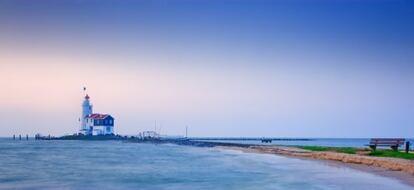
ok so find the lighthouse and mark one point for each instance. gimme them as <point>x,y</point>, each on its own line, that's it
<point>95,124</point>
<point>86,111</point>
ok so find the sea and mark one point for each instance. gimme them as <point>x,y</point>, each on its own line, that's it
<point>103,165</point>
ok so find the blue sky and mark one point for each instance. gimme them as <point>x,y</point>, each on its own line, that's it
<point>225,68</point>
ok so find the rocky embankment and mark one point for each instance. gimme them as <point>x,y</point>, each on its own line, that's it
<point>394,164</point>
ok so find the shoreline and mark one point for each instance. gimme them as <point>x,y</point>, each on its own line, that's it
<point>386,167</point>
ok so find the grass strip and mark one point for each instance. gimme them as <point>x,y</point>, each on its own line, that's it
<point>351,150</point>
<point>392,154</point>
<point>348,150</point>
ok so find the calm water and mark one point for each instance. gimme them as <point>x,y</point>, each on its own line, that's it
<point>331,142</point>
<point>117,165</point>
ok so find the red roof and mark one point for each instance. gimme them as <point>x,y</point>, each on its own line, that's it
<point>97,116</point>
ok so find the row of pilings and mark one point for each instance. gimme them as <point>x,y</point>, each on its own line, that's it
<point>20,137</point>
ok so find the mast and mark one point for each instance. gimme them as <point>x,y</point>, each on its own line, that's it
<point>155,126</point>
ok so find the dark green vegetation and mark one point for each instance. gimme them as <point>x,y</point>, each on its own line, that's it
<point>348,150</point>
<point>392,154</point>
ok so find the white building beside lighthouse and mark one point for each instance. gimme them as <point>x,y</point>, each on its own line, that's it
<point>95,123</point>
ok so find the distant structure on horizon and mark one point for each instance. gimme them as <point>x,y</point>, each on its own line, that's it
<point>95,123</point>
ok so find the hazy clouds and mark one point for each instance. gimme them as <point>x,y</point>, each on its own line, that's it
<point>224,69</point>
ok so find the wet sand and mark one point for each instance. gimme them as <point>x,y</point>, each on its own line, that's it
<point>387,167</point>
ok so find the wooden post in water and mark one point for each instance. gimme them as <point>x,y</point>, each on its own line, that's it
<point>14,137</point>
<point>27,137</point>
<point>20,137</point>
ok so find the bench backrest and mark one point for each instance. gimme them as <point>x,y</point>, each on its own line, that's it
<point>387,141</point>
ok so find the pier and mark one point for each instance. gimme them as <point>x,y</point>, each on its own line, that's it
<point>212,141</point>
<point>190,141</point>
<point>267,139</point>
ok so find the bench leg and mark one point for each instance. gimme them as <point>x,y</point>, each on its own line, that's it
<point>395,148</point>
<point>373,147</point>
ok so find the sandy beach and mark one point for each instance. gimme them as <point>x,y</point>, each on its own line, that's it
<point>399,169</point>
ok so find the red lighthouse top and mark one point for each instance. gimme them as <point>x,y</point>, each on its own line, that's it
<point>87,97</point>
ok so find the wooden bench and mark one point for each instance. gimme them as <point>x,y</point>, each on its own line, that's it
<point>388,142</point>
<point>266,140</point>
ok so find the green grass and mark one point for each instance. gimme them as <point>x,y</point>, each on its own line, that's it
<point>392,154</point>
<point>348,150</point>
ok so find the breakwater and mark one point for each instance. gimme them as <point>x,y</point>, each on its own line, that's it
<point>204,141</point>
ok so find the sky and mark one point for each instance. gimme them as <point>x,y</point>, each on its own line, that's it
<point>298,68</point>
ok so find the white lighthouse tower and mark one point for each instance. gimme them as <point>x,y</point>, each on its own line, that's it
<point>86,111</point>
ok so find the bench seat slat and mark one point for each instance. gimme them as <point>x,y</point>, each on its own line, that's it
<point>385,144</point>
<point>387,141</point>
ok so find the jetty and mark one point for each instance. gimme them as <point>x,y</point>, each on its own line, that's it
<point>210,141</point>
<point>157,139</point>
